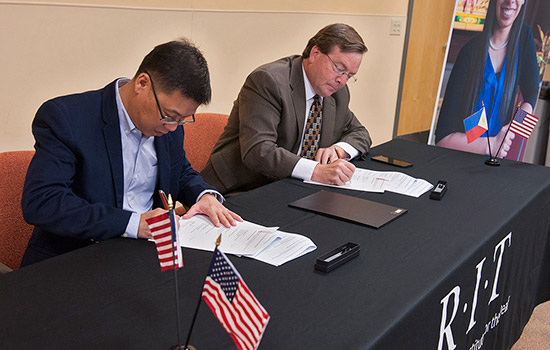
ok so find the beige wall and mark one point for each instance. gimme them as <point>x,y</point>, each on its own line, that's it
<point>50,49</point>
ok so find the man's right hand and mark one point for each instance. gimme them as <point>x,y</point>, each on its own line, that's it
<point>334,173</point>
<point>143,230</point>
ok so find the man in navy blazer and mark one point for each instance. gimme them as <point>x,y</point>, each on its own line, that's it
<point>101,156</point>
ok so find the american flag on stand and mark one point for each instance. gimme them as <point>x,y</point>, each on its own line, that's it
<point>234,305</point>
<point>523,123</point>
<point>161,229</point>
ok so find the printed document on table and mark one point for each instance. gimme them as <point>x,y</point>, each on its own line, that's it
<point>289,247</point>
<point>245,238</point>
<point>380,181</point>
<point>266,244</point>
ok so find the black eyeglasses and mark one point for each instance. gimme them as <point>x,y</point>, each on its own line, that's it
<point>341,71</point>
<point>164,118</point>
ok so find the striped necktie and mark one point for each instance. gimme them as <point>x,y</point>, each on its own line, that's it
<point>312,133</point>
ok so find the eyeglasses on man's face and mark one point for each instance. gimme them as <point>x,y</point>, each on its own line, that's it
<point>164,118</point>
<point>341,71</point>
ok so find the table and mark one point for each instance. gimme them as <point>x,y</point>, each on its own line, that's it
<point>464,272</point>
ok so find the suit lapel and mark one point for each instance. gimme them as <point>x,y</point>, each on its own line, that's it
<point>111,134</point>
<point>329,119</point>
<point>298,97</point>
<point>163,163</point>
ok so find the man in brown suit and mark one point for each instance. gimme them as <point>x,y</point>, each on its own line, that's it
<point>263,140</point>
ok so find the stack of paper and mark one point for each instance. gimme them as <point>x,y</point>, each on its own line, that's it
<point>266,244</point>
<point>380,181</point>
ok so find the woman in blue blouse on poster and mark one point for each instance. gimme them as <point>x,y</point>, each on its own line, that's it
<point>488,71</point>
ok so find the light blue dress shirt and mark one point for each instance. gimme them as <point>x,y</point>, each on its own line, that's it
<point>139,158</point>
<point>140,166</point>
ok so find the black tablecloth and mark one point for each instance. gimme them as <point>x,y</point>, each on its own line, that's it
<point>484,247</point>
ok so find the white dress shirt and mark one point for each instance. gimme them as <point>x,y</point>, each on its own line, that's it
<point>304,168</point>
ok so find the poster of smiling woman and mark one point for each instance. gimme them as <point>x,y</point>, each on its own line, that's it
<point>496,58</point>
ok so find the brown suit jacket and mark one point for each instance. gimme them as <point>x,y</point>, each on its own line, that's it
<point>263,134</point>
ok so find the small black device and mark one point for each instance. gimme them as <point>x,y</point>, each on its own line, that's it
<point>337,257</point>
<point>439,190</point>
<point>391,161</point>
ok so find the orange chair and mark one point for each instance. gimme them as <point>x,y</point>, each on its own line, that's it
<point>14,231</point>
<point>201,136</point>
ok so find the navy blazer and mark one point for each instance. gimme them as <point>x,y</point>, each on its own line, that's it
<point>73,192</point>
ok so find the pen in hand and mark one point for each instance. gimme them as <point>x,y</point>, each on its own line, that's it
<point>178,210</point>
<point>163,199</point>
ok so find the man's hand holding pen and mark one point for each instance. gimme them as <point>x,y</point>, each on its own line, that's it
<point>332,169</point>
<point>330,154</point>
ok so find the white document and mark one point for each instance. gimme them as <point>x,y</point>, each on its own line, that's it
<point>245,238</point>
<point>289,247</point>
<point>380,181</point>
<point>266,244</point>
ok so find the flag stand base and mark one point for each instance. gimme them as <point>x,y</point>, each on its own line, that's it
<point>182,347</point>
<point>492,162</point>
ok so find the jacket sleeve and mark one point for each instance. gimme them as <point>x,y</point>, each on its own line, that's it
<point>261,106</point>
<point>63,184</point>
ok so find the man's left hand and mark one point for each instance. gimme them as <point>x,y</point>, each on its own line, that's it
<point>330,154</point>
<point>209,205</point>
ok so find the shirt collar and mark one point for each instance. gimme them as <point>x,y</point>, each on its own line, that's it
<point>308,88</point>
<point>125,120</point>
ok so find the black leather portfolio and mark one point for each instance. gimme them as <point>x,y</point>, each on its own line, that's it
<point>346,207</point>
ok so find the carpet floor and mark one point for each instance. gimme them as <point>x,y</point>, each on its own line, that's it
<point>536,334</point>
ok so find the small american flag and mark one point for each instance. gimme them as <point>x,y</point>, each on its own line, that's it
<point>161,229</point>
<point>234,305</point>
<point>523,123</point>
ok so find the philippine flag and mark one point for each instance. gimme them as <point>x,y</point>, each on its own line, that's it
<point>475,125</point>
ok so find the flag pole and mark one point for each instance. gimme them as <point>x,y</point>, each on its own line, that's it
<point>218,241</point>
<point>506,133</point>
<point>175,267</point>
<point>492,161</point>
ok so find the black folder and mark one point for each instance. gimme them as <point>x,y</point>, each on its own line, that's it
<point>350,208</point>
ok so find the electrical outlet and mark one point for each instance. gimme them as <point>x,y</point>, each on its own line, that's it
<point>395,28</point>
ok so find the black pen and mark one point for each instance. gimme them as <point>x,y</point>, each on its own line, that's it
<point>339,254</point>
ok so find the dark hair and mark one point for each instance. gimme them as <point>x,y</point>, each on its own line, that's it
<point>474,81</point>
<point>337,34</point>
<point>179,66</point>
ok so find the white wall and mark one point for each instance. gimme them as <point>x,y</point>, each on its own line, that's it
<point>52,49</point>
